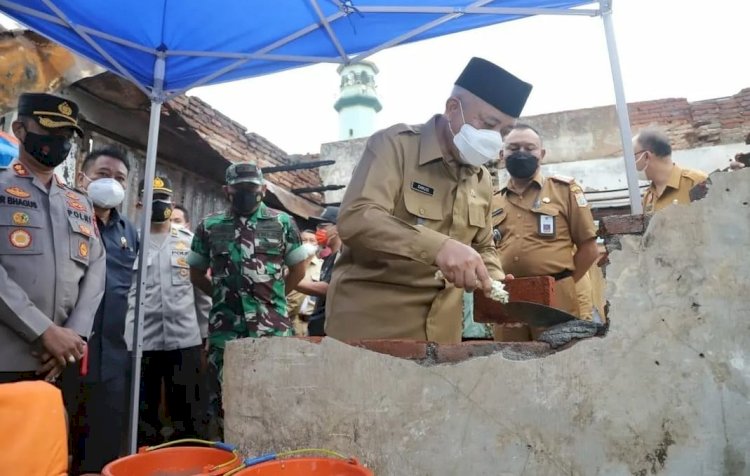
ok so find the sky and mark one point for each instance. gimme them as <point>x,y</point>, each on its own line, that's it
<point>668,48</point>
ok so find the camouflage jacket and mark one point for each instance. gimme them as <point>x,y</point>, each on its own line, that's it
<point>246,256</point>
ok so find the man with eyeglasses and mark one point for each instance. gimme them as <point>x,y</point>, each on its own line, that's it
<point>670,183</point>
<point>543,226</point>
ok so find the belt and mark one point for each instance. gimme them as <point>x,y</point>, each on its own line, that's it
<point>562,275</point>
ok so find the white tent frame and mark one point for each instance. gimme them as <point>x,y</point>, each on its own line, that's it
<point>159,95</point>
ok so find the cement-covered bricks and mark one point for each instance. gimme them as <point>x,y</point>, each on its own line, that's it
<point>665,392</point>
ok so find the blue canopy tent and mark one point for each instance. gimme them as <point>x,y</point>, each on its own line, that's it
<point>168,47</point>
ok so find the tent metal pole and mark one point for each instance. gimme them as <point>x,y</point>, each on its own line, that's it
<point>636,207</point>
<point>142,260</point>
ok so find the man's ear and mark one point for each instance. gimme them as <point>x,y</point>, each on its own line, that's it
<point>19,130</point>
<point>542,155</point>
<point>80,180</point>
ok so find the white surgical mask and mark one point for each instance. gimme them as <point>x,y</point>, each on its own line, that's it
<point>476,146</point>
<point>105,192</point>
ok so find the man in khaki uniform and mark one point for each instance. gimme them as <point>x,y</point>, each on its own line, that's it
<point>52,263</point>
<point>539,221</point>
<point>419,202</point>
<point>670,183</point>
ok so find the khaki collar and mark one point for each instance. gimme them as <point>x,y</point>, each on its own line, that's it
<point>429,147</point>
<point>537,179</point>
<point>674,177</point>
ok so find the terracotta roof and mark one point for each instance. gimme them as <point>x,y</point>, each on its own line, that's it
<point>232,141</point>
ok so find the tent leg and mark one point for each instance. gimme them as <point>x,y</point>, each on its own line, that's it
<point>145,231</point>
<point>636,207</point>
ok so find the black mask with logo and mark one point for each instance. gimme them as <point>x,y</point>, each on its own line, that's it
<point>161,211</point>
<point>49,151</point>
<point>521,165</point>
<point>245,202</point>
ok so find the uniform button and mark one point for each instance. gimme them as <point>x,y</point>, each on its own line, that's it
<point>516,258</point>
<point>421,211</point>
<point>423,255</point>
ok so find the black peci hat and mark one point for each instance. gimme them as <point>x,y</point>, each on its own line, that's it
<point>495,86</point>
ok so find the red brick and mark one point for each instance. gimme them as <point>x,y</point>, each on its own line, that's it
<point>538,289</point>
<point>311,339</point>
<point>623,225</point>
<point>451,354</point>
<point>402,348</point>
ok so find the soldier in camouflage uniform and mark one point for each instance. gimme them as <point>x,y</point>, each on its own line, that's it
<point>247,249</point>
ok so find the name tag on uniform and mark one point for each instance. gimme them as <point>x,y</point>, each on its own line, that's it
<point>546,226</point>
<point>421,188</point>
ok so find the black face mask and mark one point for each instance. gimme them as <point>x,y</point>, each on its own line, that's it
<point>49,151</point>
<point>245,202</point>
<point>521,165</point>
<point>160,211</point>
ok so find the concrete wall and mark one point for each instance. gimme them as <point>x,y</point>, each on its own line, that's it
<point>347,155</point>
<point>665,392</point>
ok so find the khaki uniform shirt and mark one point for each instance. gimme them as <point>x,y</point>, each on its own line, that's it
<point>52,264</point>
<point>678,189</point>
<point>404,200</point>
<point>536,231</point>
<point>175,315</point>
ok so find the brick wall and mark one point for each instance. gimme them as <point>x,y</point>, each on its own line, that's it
<point>233,142</point>
<point>696,124</point>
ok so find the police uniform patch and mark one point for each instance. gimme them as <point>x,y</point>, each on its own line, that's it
<point>20,239</point>
<point>180,245</point>
<point>72,195</point>
<point>17,192</point>
<point>184,272</point>
<point>83,249</point>
<point>85,229</point>
<point>20,170</point>
<point>182,261</point>
<point>167,213</point>
<point>20,218</point>
<point>76,205</point>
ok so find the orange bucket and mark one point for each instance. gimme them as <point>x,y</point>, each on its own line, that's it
<point>178,461</point>
<point>307,466</point>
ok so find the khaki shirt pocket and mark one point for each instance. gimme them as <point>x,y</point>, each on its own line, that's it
<point>422,207</point>
<point>547,221</point>
<point>20,231</point>
<point>478,212</point>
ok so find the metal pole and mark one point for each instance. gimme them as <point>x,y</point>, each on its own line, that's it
<point>145,227</point>
<point>636,207</point>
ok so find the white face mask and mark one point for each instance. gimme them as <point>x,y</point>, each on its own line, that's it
<point>476,146</point>
<point>105,192</point>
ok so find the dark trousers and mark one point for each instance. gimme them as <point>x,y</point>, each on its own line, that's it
<point>11,377</point>
<point>180,371</point>
<point>316,327</point>
<point>98,413</point>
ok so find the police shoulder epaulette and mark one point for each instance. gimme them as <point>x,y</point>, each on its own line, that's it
<point>563,179</point>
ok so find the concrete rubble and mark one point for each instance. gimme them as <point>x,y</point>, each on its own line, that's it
<point>665,392</point>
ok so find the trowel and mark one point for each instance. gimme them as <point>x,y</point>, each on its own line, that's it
<point>530,313</point>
